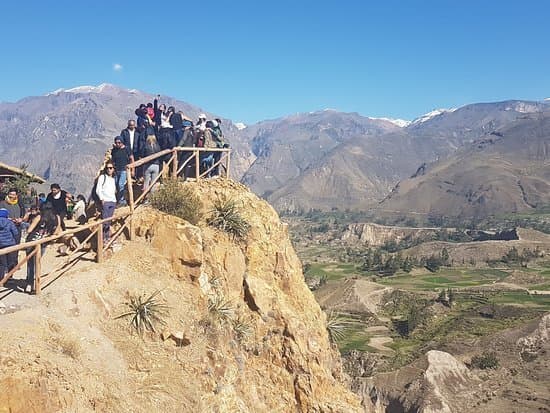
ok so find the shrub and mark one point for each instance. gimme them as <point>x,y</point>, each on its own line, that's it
<point>225,216</point>
<point>177,199</point>
<point>485,360</point>
<point>145,312</point>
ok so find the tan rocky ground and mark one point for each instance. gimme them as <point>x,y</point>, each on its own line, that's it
<point>66,351</point>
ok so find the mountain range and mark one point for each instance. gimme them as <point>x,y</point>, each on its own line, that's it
<point>477,160</point>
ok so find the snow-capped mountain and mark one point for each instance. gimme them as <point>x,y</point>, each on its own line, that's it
<point>431,115</point>
<point>397,122</point>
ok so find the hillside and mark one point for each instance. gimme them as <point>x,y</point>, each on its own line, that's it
<point>507,170</point>
<point>63,136</point>
<point>243,332</point>
<point>299,168</point>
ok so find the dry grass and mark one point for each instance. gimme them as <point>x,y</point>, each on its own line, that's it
<point>175,198</point>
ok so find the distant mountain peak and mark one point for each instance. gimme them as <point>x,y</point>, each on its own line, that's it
<point>398,122</point>
<point>86,89</point>
<point>430,115</point>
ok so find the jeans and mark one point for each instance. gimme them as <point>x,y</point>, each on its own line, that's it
<point>7,263</point>
<point>107,212</point>
<point>207,160</point>
<point>121,185</point>
<point>151,173</point>
<point>31,265</point>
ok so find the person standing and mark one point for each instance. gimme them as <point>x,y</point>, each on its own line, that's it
<point>16,210</point>
<point>120,158</point>
<point>45,222</point>
<point>106,192</point>
<point>58,200</point>
<point>8,238</point>
<point>132,140</point>
<point>151,169</point>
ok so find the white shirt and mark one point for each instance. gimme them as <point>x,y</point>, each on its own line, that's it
<point>165,121</point>
<point>132,133</point>
<point>106,188</point>
<point>79,209</point>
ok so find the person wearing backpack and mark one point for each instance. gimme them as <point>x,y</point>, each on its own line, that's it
<point>106,194</point>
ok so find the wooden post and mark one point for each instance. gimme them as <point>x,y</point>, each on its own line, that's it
<point>131,196</point>
<point>175,164</point>
<point>228,164</point>
<point>37,268</point>
<point>197,165</point>
<point>99,254</point>
<point>130,188</point>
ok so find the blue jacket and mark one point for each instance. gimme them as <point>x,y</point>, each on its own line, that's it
<point>8,233</point>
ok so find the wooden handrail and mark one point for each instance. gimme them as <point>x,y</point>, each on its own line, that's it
<point>25,245</point>
<point>172,169</point>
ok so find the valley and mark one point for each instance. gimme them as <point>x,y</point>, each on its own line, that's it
<point>468,309</point>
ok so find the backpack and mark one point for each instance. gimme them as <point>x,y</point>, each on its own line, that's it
<point>93,196</point>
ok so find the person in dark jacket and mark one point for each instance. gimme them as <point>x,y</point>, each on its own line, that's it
<point>176,120</point>
<point>120,158</point>
<point>16,210</point>
<point>132,139</point>
<point>45,223</point>
<point>58,200</point>
<point>8,238</point>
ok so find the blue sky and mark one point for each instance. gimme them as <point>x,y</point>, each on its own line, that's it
<point>254,60</point>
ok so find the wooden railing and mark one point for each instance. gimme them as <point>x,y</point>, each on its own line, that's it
<point>169,169</point>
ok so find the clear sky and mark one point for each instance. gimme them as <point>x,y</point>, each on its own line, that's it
<point>254,60</point>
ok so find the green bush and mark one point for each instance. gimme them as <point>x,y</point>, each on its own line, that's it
<point>226,216</point>
<point>175,198</point>
<point>485,360</point>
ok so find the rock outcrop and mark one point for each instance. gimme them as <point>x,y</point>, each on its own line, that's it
<point>375,235</point>
<point>435,383</point>
<point>242,331</point>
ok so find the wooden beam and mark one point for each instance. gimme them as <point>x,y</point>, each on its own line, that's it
<point>99,252</point>
<point>37,269</point>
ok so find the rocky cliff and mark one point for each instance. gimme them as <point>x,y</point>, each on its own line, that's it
<point>375,235</point>
<point>242,331</point>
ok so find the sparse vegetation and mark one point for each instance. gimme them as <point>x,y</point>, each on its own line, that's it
<point>226,216</point>
<point>220,309</point>
<point>338,326</point>
<point>175,198</point>
<point>145,312</point>
<point>242,328</point>
<point>485,360</point>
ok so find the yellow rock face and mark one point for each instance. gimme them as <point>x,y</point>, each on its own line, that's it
<point>241,332</point>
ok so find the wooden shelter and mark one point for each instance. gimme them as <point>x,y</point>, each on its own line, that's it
<point>7,172</point>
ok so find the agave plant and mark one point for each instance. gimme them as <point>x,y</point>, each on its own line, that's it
<point>145,312</point>
<point>242,327</point>
<point>338,326</point>
<point>220,309</point>
<point>225,216</point>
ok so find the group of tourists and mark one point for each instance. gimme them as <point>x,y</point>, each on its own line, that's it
<point>156,128</point>
<point>45,217</point>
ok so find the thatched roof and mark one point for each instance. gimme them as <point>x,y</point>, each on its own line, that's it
<point>8,171</point>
